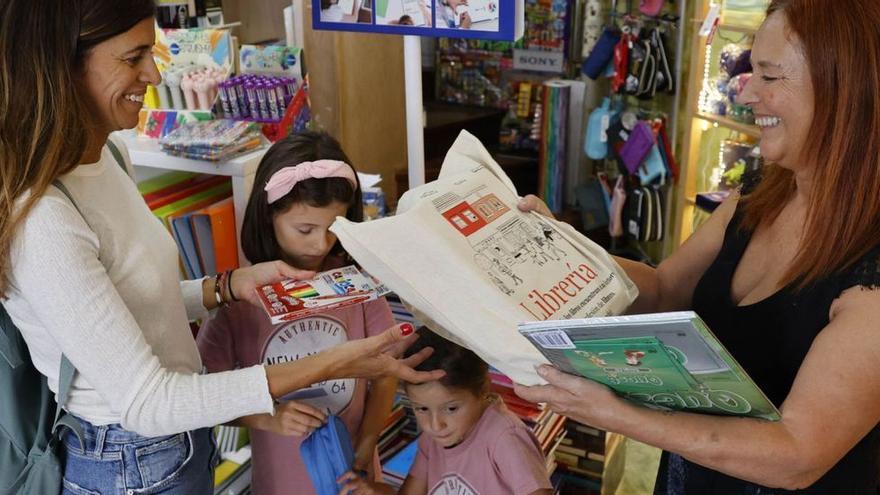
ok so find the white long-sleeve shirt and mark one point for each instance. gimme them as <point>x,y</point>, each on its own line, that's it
<point>103,288</point>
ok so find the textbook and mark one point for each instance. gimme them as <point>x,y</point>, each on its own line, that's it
<point>292,299</point>
<point>663,360</point>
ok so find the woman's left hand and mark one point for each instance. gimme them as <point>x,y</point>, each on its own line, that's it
<point>580,399</point>
<point>245,280</point>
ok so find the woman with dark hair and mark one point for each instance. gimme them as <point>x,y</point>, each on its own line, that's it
<point>97,280</point>
<point>786,275</point>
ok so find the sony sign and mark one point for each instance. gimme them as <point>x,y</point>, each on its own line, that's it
<point>538,60</point>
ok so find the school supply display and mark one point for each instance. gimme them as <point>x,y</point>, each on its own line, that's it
<point>661,360</point>
<point>259,98</point>
<point>193,63</point>
<point>471,265</point>
<point>553,151</point>
<point>215,140</point>
<point>489,74</point>
<point>328,454</point>
<point>198,211</point>
<point>291,299</point>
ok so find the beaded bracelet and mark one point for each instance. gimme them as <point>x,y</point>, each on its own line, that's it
<point>218,285</point>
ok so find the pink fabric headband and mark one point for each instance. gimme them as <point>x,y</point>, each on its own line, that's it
<point>282,181</point>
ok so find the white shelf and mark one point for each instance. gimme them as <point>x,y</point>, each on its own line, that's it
<point>145,152</point>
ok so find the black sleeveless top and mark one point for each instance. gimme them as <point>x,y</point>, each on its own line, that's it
<point>770,339</point>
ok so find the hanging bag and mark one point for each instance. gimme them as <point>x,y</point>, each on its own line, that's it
<point>601,54</point>
<point>596,140</point>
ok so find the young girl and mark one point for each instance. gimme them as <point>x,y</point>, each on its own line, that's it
<point>302,184</point>
<point>470,443</point>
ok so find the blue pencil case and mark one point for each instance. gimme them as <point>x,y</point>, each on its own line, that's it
<point>327,454</point>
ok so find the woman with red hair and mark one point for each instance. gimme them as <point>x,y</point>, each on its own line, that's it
<point>786,273</point>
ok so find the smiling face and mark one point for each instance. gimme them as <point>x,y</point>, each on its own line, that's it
<point>447,414</point>
<point>115,76</point>
<point>303,233</point>
<point>780,93</point>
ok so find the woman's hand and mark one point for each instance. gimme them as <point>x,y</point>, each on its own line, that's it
<point>367,358</point>
<point>583,400</point>
<point>531,202</point>
<point>377,356</point>
<point>353,484</point>
<point>294,418</point>
<point>465,21</point>
<point>244,281</point>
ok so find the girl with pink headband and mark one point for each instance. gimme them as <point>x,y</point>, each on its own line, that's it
<point>302,184</point>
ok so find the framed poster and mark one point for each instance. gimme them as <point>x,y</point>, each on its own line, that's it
<point>479,19</point>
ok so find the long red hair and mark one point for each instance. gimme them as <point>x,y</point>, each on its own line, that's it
<point>841,44</point>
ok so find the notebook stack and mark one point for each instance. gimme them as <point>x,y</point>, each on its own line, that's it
<point>198,211</point>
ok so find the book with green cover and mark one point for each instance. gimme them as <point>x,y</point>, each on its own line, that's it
<point>661,360</point>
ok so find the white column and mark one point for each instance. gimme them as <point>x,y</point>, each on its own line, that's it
<point>415,138</point>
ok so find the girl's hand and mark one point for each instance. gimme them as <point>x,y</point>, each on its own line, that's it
<point>376,356</point>
<point>583,400</point>
<point>244,281</point>
<point>353,484</point>
<point>363,458</point>
<point>531,202</point>
<point>294,419</point>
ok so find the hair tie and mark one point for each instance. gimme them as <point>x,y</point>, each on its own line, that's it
<point>282,181</point>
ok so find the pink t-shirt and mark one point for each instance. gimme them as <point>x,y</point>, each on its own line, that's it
<point>241,335</point>
<point>500,455</point>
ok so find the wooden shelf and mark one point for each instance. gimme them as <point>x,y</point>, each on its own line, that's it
<point>747,129</point>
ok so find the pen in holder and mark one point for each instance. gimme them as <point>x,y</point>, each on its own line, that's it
<point>189,93</point>
<point>164,95</point>
<point>202,87</point>
<point>173,80</point>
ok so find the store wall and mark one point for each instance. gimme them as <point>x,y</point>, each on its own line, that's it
<point>357,95</point>
<point>260,20</point>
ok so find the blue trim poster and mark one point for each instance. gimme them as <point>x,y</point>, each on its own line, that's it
<point>500,20</point>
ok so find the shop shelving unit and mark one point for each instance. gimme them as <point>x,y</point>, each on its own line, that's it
<point>703,131</point>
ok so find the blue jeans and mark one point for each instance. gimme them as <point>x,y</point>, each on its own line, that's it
<point>114,461</point>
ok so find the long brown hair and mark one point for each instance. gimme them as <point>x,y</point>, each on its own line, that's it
<point>258,241</point>
<point>43,120</point>
<point>841,44</point>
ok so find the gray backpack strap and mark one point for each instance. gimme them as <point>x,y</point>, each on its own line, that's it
<point>66,370</point>
<point>117,155</point>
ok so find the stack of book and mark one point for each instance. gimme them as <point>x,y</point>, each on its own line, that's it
<point>400,429</point>
<point>582,452</point>
<point>197,209</point>
<point>398,441</point>
<point>232,476</point>
<point>547,426</point>
<point>396,468</point>
<point>399,311</point>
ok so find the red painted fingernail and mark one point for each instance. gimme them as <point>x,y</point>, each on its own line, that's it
<point>406,329</point>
